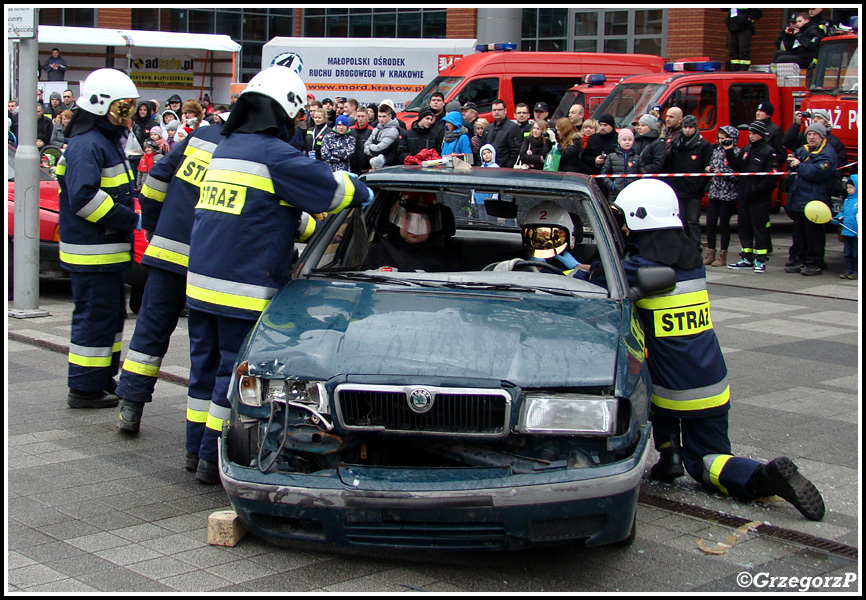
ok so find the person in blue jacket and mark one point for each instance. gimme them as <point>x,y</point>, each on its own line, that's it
<point>690,398</point>
<point>96,222</point>
<point>456,139</point>
<point>251,204</point>
<point>847,221</point>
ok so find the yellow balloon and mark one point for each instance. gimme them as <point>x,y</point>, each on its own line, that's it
<point>818,212</point>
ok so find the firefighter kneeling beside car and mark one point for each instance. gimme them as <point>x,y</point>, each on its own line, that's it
<point>691,396</point>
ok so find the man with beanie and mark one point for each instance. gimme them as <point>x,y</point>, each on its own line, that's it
<point>600,144</point>
<point>795,138</point>
<point>764,114</point>
<point>755,194</point>
<point>690,153</point>
<point>811,168</point>
<point>648,145</point>
<point>423,135</point>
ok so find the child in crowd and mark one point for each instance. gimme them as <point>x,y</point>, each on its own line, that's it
<point>151,156</point>
<point>158,136</point>
<point>848,229</point>
<point>619,162</point>
<point>488,159</point>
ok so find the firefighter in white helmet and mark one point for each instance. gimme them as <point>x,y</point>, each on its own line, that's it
<point>690,391</point>
<point>97,219</point>
<point>250,206</point>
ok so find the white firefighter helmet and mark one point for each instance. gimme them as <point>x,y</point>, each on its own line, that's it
<point>282,85</point>
<point>649,204</point>
<point>105,86</point>
<point>548,230</point>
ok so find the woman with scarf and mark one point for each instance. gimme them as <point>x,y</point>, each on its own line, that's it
<point>456,139</point>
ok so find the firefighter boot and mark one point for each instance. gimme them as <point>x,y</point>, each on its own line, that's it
<point>780,477</point>
<point>207,472</point>
<point>670,464</point>
<point>78,399</point>
<point>129,420</point>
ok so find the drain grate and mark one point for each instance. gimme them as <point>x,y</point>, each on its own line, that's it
<point>788,535</point>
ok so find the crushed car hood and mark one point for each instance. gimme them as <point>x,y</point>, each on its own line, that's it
<point>317,329</point>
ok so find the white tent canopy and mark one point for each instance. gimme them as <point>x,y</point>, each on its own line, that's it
<point>50,34</point>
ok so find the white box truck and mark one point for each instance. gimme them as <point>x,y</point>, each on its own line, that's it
<point>366,69</point>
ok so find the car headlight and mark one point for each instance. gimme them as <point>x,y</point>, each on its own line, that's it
<point>567,414</point>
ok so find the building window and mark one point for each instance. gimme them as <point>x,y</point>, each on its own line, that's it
<point>375,22</point>
<point>250,27</point>
<point>628,31</point>
<point>68,17</point>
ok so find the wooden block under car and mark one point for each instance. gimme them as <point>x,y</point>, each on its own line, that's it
<point>224,528</point>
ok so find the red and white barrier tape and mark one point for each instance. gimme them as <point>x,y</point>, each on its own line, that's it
<point>642,175</point>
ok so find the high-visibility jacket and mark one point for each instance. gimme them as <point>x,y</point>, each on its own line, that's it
<point>247,216</point>
<point>168,198</point>
<point>686,365</point>
<point>97,214</point>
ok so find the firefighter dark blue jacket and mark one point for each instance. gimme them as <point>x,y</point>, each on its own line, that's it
<point>247,216</point>
<point>686,364</point>
<point>97,214</point>
<point>168,198</point>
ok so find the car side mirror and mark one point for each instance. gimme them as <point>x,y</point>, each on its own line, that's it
<point>652,281</point>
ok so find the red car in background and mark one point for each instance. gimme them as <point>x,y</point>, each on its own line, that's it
<point>49,232</point>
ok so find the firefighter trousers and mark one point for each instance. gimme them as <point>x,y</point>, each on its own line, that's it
<point>97,329</point>
<point>706,452</point>
<point>214,342</point>
<point>164,298</point>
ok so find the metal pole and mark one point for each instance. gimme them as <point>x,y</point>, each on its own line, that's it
<point>26,243</point>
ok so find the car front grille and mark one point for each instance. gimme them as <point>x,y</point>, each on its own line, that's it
<point>424,410</point>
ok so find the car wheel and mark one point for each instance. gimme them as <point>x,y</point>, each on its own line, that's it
<point>242,441</point>
<point>628,541</point>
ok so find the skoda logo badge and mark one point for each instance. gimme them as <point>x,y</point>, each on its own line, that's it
<point>420,400</point>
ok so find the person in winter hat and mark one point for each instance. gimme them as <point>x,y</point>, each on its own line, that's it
<point>158,136</point>
<point>849,228</point>
<point>621,161</point>
<point>338,146</point>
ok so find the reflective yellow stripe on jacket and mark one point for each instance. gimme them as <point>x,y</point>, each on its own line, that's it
<point>168,250</point>
<point>694,399</point>
<point>228,293</point>
<point>95,254</point>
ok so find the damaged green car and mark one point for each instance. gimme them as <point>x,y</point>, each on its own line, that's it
<point>462,406</point>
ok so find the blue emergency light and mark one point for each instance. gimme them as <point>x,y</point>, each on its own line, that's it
<point>595,79</point>
<point>706,66</point>
<point>493,47</point>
